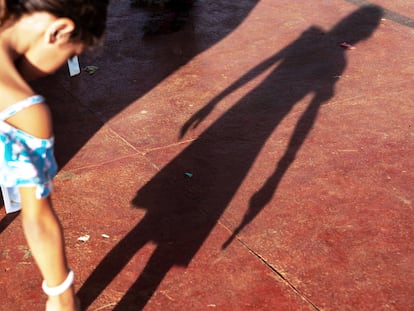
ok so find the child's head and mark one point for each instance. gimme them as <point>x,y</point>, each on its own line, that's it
<point>51,31</point>
<point>89,16</point>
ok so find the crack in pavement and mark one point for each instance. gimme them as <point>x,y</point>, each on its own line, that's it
<point>280,275</point>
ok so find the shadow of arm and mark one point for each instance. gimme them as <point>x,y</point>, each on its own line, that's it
<point>265,194</point>
<point>199,116</point>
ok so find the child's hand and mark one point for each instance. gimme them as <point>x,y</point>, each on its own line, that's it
<point>56,304</point>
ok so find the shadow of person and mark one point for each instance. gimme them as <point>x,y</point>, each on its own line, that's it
<point>182,211</point>
<point>7,220</point>
<point>319,81</point>
<point>167,16</point>
<point>145,62</point>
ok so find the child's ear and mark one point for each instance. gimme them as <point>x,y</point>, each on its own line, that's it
<point>59,31</point>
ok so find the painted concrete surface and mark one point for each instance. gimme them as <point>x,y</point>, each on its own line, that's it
<point>247,161</point>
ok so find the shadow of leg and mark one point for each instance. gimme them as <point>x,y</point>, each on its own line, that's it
<point>143,289</point>
<point>262,197</point>
<point>111,265</point>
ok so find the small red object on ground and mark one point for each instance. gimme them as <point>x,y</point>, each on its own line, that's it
<point>347,46</point>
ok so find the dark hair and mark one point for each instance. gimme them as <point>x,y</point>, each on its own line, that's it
<point>89,16</point>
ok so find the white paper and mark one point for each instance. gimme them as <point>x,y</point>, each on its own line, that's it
<point>11,198</point>
<point>73,64</point>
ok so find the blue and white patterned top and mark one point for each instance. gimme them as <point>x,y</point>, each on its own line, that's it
<point>25,160</point>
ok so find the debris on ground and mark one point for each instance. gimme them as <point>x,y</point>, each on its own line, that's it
<point>347,46</point>
<point>91,69</point>
<point>84,238</point>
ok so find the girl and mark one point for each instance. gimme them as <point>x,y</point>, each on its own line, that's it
<point>36,38</point>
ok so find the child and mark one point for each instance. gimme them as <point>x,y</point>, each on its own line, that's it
<point>36,38</point>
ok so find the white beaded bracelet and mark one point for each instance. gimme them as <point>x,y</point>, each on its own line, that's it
<point>57,290</point>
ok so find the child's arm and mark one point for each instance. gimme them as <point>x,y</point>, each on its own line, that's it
<point>41,226</point>
<point>45,238</point>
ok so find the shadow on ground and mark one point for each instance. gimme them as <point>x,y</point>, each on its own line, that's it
<point>181,212</point>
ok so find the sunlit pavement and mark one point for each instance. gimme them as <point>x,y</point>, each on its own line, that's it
<point>259,158</point>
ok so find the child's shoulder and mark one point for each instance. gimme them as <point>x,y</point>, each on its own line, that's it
<point>34,119</point>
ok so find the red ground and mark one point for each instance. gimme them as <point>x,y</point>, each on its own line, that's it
<point>299,152</point>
